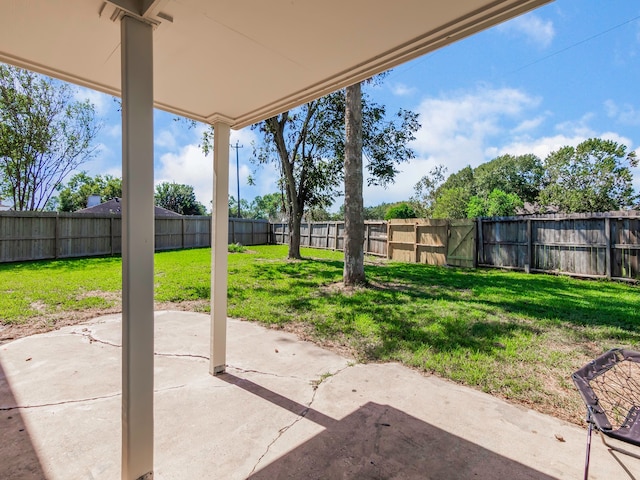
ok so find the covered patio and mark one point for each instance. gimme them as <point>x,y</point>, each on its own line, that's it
<point>284,409</point>
<point>229,64</point>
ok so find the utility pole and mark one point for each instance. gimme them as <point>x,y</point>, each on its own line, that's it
<point>236,146</point>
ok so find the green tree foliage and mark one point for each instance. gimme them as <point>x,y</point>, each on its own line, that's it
<point>401,210</point>
<point>377,212</point>
<point>426,190</point>
<point>44,135</point>
<point>308,145</point>
<point>269,206</point>
<point>74,195</point>
<point>245,208</point>
<point>519,174</point>
<point>595,176</point>
<point>497,204</point>
<point>178,198</point>
<point>452,203</point>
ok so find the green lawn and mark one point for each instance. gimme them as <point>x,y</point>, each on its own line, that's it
<point>510,334</point>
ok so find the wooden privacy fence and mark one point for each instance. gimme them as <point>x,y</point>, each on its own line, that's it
<point>433,241</point>
<point>330,235</point>
<point>41,235</point>
<point>605,245</point>
<point>248,232</point>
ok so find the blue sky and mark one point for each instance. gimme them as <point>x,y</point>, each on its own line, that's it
<point>559,75</point>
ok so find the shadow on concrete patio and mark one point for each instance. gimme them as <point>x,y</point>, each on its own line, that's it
<point>18,455</point>
<point>378,442</point>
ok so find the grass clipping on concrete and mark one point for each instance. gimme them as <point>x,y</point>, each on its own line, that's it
<point>509,334</point>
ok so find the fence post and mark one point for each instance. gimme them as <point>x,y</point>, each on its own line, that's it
<point>233,231</point>
<point>182,229</point>
<point>56,245</point>
<point>480,241</point>
<point>111,234</point>
<point>366,238</point>
<point>335,238</point>
<point>529,264</point>
<point>310,227</point>
<point>326,237</point>
<point>415,242</point>
<point>446,242</point>
<point>607,239</point>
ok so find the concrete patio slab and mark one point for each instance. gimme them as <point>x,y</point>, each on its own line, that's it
<point>284,409</point>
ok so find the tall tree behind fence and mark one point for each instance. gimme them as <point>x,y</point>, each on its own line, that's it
<point>40,235</point>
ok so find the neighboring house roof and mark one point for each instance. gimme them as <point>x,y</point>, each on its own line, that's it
<point>114,207</point>
<point>4,207</point>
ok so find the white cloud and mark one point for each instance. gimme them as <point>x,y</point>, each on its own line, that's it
<point>165,139</point>
<point>101,101</point>
<point>528,125</point>
<point>189,166</point>
<point>536,30</point>
<point>471,128</point>
<point>625,114</point>
<point>113,130</point>
<point>402,188</point>
<point>456,129</point>
<point>402,90</point>
<point>543,146</point>
<point>578,128</point>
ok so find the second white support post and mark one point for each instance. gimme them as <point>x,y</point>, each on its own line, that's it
<point>219,248</point>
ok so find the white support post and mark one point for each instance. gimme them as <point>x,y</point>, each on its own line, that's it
<point>137,249</point>
<point>219,248</point>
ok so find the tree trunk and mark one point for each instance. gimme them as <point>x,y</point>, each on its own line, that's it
<point>294,220</point>
<point>353,204</point>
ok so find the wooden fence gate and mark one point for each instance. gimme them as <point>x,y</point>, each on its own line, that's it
<point>461,247</point>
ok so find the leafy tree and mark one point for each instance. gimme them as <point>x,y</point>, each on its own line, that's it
<point>81,186</point>
<point>401,210</point>
<point>521,174</point>
<point>477,207</point>
<point>595,176</point>
<point>178,198</point>
<point>245,208</point>
<point>426,190</point>
<point>452,203</point>
<point>308,144</point>
<point>497,204</point>
<point>317,214</point>
<point>460,179</point>
<point>269,206</point>
<point>452,196</point>
<point>44,135</point>
<point>377,212</point>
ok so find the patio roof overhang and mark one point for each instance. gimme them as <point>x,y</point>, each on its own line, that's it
<point>229,63</point>
<point>239,61</point>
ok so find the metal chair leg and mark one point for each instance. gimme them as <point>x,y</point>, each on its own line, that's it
<point>589,430</point>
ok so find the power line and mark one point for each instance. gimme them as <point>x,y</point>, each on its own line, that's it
<point>558,52</point>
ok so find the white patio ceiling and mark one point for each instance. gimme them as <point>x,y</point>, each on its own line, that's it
<point>239,61</point>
